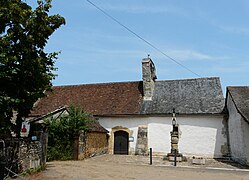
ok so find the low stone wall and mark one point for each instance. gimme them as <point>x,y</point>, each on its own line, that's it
<point>92,143</point>
<point>30,154</point>
<point>22,154</point>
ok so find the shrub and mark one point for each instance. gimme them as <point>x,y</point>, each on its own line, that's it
<point>63,130</point>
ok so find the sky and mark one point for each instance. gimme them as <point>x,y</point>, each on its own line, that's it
<point>211,38</point>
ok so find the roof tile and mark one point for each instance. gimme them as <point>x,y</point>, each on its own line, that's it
<point>188,96</point>
<point>97,99</point>
<point>240,96</point>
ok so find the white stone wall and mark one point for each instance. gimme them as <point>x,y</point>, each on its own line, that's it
<point>238,134</point>
<point>245,130</point>
<point>200,135</point>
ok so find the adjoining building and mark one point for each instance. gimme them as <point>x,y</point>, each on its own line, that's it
<point>237,104</point>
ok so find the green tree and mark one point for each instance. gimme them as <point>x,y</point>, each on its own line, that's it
<point>64,133</point>
<point>59,144</point>
<point>26,70</point>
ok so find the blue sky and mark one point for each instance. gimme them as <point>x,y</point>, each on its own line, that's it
<point>209,37</point>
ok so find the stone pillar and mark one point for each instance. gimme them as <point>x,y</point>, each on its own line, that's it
<point>142,141</point>
<point>174,144</point>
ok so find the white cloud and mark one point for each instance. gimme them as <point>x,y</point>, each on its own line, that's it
<point>214,21</point>
<point>141,50</point>
<point>230,67</point>
<point>94,35</point>
<point>236,69</point>
<point>140,8</point>
<point>121,53</point>
<point>187,54</point>
<point>235,30</point>
<point>178,55</point>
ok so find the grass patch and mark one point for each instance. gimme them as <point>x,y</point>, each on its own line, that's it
<point>34,170</point>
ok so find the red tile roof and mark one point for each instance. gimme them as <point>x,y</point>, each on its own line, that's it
<point>98,99</point>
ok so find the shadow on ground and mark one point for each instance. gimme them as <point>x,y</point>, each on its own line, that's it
<point>232,163</point>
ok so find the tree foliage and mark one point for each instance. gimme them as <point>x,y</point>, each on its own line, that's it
<point>26,70</point>
<point>63,130</point>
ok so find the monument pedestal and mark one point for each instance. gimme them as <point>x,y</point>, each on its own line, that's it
<point>171,157</point>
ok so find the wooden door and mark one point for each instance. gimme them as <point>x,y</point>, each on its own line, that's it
<point>121,142</point>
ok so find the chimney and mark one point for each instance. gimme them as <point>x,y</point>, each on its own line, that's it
<point>149,77</point>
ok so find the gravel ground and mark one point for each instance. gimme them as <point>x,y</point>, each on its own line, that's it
<point>115,167</point>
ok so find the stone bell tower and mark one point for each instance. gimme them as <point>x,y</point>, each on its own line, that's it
<point>149,77</point>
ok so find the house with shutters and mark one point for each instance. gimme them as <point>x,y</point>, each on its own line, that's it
<point>138,115</point>
<point>237,104</point>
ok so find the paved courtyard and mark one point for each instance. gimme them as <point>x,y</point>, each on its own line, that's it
<point>114,167</point>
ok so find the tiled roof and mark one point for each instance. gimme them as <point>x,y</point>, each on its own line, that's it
<point>93,127</point>
<point>187,96</point>
<point>240,96</point>
<point>97,99</point>
<point>96,127</point>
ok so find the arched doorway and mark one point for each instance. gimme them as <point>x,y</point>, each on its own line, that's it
<point>121,142</point>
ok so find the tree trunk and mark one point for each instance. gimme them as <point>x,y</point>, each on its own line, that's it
<point>18,125</point>
<point>76,147</point>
